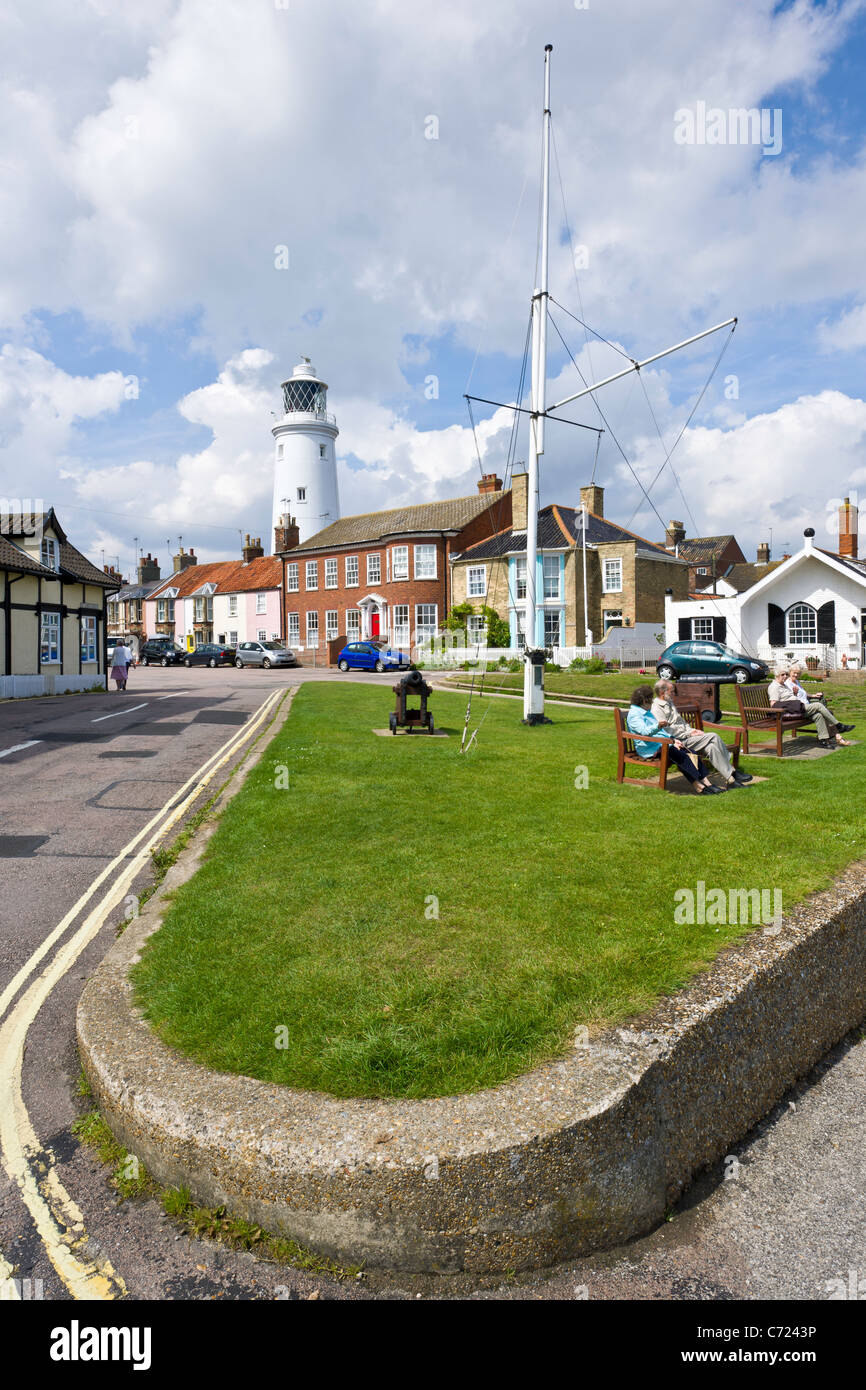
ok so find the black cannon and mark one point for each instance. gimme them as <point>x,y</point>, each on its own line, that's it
<point>413,683</point>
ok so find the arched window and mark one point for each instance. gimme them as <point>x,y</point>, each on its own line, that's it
<point>802,625</point>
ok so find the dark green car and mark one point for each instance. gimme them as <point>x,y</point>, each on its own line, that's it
<point>709,659</point>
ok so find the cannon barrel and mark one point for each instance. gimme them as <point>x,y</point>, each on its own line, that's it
<point>412,680</point>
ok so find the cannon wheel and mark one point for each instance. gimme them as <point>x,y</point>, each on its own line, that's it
<point>392,723</point>
<point>430,724</point>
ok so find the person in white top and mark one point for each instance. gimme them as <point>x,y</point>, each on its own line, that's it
<point>120,664</point>
<point>828,726</point>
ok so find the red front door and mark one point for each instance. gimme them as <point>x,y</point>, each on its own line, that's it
<point>374,624</point>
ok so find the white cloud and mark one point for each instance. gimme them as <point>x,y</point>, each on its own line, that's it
<point>213,136</point>
<point>847,333</point>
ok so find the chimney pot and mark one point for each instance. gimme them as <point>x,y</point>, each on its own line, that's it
<point>489,483</point>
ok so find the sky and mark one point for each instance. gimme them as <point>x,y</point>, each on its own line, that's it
<point>160,165</point>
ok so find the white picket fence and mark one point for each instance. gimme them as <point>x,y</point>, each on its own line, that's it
<point>437,657</point>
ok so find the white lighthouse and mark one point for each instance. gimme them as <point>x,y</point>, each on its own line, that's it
<point>305,464</point>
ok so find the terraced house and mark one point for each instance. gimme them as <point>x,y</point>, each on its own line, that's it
<point>52,609</point>
<point>385,574</point>
<point>627,576</point>
<point>228,601</point>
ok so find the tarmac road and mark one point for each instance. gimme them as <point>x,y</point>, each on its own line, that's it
<point>784,1218</point>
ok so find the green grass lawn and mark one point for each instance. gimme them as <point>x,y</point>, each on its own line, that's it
<point>314,909</point>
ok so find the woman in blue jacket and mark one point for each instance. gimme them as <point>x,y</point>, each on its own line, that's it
<point>639,720</point>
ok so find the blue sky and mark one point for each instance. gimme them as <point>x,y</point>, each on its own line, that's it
<point>158,158</point>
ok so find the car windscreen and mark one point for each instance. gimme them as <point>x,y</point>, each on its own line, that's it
<point>272,646</point>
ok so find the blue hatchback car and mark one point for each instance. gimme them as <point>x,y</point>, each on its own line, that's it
<point>371,656</point>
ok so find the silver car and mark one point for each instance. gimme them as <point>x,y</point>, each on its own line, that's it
<point>264,654</point>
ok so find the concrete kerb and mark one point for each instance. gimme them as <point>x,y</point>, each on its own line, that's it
<point>580,1154</point>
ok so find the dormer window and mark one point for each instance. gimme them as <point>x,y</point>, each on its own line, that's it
<point>50,553</point>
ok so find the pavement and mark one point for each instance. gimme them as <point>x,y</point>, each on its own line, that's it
<point>784,1217</point>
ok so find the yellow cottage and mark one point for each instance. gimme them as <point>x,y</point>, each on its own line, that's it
<point>52,609</point>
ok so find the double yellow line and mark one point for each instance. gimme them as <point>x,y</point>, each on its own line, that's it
<point>56,1216</point>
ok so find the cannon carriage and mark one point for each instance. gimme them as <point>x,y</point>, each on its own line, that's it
<point>412,684</point>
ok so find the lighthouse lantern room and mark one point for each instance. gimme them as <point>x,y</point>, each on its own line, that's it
<point>305,465</point>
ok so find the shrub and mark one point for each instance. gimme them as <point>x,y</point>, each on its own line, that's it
<point>589,665</point>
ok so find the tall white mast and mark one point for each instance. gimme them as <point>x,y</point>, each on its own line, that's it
<point>533,676</point>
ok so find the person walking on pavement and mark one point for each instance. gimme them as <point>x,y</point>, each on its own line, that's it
<point>120,663</point>
<point>708,744</point>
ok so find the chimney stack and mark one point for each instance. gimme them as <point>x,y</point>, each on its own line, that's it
<point>490,483</point>
<point>519,500</point>
<point>287,534</point>
<point>763,554</point>
<point>183,560</point>
<point>848,530</point>
<point>674,535</point>
<point>592,497</point>
<point>148,569</point>
<point>252,549</point>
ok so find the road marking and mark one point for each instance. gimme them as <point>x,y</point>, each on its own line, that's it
<point>57,1217</point>
<point>18,746</point>
<point>128,710</point>
<point>173,696</point>
<point>8,1287</point>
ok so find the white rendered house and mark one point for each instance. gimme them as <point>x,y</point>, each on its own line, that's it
<point>813,604</point>
<point>305,462</point>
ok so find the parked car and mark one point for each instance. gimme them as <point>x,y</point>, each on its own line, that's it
<point>160,651</point>
<point>709,659</point>
<point>371,656</point>
<point>211,654</point>
<point>265,654</point>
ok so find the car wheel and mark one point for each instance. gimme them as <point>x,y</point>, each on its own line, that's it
<point>143,661</point>
<point>380,666</point>
<point>187,662</point>
<point>239,663</point>
<point>343,665</point>
<point>740,675</point>
<point>267,663</point>
<point>164,661</point>
<point>666,673</point>
<point>212,663</point>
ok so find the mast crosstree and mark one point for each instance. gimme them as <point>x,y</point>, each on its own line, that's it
<point>540,412</point>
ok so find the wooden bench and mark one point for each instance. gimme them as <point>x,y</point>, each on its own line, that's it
<point>627,753</point>
<point>755,713</point>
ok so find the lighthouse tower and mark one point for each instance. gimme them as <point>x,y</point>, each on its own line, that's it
<point>305,464</point>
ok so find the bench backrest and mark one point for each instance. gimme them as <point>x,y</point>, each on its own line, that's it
<point>753,700</point>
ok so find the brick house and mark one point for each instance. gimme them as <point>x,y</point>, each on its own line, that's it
<point>627,576</point>
<point>706,556</point>
<point>384,574</point>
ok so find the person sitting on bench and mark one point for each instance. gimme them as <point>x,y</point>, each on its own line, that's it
<point>778,694</point>
<point>828,726</point>
<point>639,720</point>
<point>695,741</point>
